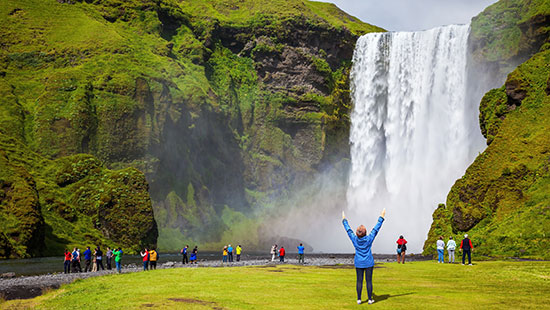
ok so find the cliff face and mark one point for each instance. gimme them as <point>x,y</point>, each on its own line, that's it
<point>223,105</point>
<point>502,199</point>
<point>48,205</point>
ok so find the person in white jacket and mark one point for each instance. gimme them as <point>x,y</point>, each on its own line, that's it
<point>451,247</point>
<point>440,250</point>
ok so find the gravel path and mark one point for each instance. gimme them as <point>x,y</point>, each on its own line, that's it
<point>32,286</point>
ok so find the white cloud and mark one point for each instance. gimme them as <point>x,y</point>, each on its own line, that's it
<point>412,15</point>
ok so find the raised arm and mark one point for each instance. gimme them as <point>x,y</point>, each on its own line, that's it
<point>348,229</point>
<point>376,228</point>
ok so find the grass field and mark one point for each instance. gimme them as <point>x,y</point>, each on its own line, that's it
<point>417,285</point>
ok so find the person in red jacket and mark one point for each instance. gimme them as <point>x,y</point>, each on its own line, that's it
<point>67,263</point>
<point>466,247</point>
<point>282,254</point>
<point>401,249</point>
<point>145,256</point>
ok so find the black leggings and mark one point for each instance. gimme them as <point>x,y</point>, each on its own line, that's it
<point>360,272</point>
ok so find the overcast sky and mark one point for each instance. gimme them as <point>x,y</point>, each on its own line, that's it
<point>410,15</point>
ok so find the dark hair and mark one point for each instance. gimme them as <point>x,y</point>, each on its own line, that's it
<point>401,237</point>
<point>451,238</point>
<point>300,244</point>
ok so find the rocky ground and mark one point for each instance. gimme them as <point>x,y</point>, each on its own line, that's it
<point>13,287</point>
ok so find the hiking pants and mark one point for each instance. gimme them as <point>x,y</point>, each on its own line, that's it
<point>153,264</point>
<point>440,256</point>
<point>185,260</point>
<point>67,266</point>
<point>301,258</point>
<point>108,263</point>
<point>118,267</point>
<point>451,256</point>
<point>87,266</point>
<point>360,272</point>
<point>469,252</point>
<point>145,264</point>
<point>230,257</point>
<point>282,259</point>
<point>224,259</point>
<point>100,264</point>
<point>238,257</point>
<point>75,266</point>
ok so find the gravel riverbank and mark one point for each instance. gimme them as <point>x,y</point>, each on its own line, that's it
<point>32,286</point>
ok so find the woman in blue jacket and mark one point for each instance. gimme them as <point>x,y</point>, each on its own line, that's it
<point>364,262</point>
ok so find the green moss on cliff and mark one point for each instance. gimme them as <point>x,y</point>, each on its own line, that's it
<point>510,31</point>
<point>46,205</point>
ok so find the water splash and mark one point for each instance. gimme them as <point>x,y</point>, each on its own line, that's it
<point>412,133</point>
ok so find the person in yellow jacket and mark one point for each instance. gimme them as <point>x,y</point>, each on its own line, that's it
<point>224,254</point>
<point>238,251</point>
<point>153,258</point>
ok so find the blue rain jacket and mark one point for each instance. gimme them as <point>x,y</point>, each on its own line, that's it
<point>363,254</point>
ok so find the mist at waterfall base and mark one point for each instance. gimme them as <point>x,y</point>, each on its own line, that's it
<point>413,129</point>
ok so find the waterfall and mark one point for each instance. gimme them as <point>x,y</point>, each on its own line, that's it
<point>412,131</point>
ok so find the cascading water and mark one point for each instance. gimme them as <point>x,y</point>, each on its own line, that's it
<point>412,133</point>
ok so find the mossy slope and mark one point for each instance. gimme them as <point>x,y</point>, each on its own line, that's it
<point>48,205</point>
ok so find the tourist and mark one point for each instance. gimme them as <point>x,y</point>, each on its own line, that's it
<point>401,249</point>
<point>74,259</point>
<point>193,257</point>
<point>94,262</point>
<point>145,256</point>
<point>99,258</point>
<point>238,251</point>
<point>451,246</point>
<point>300,253</point>
<point>87,258</point>
<point>440,250</point>
<point>153,258</point>
<point>282,254</point>
<point>78,260</point>
<point>230,253</point>
<point>118,257</point>
<point>466,247</point>
<point>364,262</point>
<point>273,252</point>
<point>184,260</point>
<point>67,262</point>
<point>109,255</point>
<point>224,254</point>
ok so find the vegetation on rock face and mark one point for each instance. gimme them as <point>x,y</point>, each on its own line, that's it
<point>220,103</point>
<point>502,201</point>
<point>509,32</point>
<point>49,205</point>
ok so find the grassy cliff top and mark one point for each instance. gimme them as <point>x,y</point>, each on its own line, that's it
<point>262,13</point>
<point>504,30</point>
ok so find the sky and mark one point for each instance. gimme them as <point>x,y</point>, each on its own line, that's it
<point>412,15</point>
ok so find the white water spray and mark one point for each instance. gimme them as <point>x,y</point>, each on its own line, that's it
<point>412,133</point>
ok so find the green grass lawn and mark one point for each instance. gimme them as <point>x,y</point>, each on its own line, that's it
<point>417,285</point>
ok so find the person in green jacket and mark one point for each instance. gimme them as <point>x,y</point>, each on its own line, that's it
<point>118,257</point>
